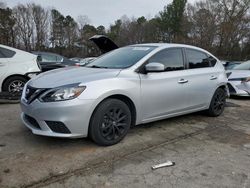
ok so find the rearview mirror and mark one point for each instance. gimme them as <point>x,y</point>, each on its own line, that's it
<point>154,67</point>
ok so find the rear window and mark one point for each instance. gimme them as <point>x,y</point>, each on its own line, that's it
<point>6,53</point>
<point>197,59</point>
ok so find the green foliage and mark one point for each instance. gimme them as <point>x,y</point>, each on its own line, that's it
<point>171,20</point>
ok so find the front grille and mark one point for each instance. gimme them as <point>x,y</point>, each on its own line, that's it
<point>32,93</point>
<point>29,92</point>
<point>58,127</point>
<point>32,121</point>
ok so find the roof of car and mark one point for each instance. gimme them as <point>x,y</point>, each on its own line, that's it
<point>171,45</point>
<point>45,53</point>
<point>165,45</point>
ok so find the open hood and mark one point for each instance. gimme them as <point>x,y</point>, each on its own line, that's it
<point>104,43</point>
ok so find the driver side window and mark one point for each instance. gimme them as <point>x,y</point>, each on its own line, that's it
<point>172,59</point>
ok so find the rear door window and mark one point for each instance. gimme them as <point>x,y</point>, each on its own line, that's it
<point>197,59</point>
<point>6,53</point>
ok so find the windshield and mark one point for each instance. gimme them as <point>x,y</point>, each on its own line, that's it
<point>242,66</point>
<point>122,57</point>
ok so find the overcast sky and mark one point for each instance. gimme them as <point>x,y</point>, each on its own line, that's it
<point>101,12</point>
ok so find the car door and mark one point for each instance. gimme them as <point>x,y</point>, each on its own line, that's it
<point>164,93</point>
<point>5,54</point>
<point>202,78</point>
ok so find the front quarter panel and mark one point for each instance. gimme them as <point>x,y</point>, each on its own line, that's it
<point>127,83</point>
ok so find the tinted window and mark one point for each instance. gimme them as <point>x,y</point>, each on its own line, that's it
<point>197,59</point>
<point>212,61</point>
<point>5,53</point>
<point>172,59</point>
<point>122,57</point>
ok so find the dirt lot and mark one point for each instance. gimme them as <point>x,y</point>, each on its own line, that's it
<point>208,152</point>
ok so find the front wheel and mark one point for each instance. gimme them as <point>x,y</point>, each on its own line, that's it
<point>110,122</point>
<point>218,103</point>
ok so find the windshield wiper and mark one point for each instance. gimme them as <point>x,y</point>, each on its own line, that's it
<point>96,66</point>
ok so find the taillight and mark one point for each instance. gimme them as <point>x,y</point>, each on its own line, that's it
<point>38,62</point>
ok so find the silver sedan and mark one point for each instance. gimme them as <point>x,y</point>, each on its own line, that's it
<point>128,86</point>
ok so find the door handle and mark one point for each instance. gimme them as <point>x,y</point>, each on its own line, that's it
<point>182,81</point>
<point>213,78</point>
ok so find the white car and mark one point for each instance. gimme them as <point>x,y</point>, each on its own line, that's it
<point>239,79</point>
<point>16,68</point>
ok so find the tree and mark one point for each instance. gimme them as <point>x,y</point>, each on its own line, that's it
<point>202,25</point>
<point>171,20</point>
<point>7,22</point>
<point>83,20</point>
<point>70,31</point>
<point>40,18</point>
<point>24,25</point>
<point>101,30</point>
<point>57,28</point>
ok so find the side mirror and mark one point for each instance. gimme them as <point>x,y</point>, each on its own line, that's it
<point>155,67</point>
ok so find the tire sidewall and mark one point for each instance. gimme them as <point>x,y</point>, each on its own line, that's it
<point>10,80</point>
<point>211,110</point>
<point>97,117</point>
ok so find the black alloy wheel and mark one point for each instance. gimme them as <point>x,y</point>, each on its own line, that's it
<point>110,122</point>
<point>218,103</point>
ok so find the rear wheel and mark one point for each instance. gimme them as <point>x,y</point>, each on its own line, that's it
<point>110,122</point>
<point>218,103</point>
<point>14,84</point>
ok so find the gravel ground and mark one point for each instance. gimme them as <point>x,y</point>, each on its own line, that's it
<point>208,152</point>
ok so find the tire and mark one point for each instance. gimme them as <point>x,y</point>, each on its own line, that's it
<point>14,84</point>
<point>217,103</point>
<point>110,122</point>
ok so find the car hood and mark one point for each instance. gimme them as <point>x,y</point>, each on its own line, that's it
<point>238,74</point>
<point>104,43</point>
<point>71,75</point>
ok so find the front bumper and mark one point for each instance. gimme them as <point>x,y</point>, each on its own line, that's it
<point>73,114</point>
<point>237,88</point>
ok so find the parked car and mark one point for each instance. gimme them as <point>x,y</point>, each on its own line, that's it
<point>50,61</point>
<point>128,86</point>
<point>230,64</point>
<point>239,80</point>
<point>16,68</point>
<point>83,61</point>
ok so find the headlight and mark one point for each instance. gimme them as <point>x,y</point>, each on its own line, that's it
<point>62,93</point>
